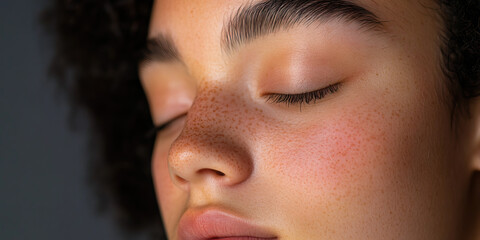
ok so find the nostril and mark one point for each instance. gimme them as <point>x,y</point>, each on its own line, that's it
<point>180,179</point>
<point>200,174</point>
<point>211,171</point>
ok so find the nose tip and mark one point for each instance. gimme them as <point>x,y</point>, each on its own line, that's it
<point>195,160</point>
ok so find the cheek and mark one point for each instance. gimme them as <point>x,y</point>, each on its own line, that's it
<point>343,164</point>
<point>367,162</point>
<point>169,197</point>
<point>334,152</point>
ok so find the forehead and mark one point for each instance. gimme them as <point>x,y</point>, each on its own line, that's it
<point>195,26</point>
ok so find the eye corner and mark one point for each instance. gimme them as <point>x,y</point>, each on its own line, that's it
<point>158,128</point>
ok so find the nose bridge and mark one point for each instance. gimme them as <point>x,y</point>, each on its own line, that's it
<point>210,144</point>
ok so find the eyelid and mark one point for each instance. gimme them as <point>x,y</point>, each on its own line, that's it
<point>158,128</point>
<point>306,97</point>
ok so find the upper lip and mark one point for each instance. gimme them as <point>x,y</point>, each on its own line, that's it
<point>212,223</point>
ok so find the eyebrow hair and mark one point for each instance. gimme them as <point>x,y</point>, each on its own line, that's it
<point>253,21</point>
<point>159,48</point>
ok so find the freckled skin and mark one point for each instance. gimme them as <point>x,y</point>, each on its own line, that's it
<point>376,160</point>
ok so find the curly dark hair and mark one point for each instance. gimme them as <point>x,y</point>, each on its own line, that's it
<point>461,50</point>
<point>97,51</point>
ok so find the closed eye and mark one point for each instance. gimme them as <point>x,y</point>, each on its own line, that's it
<point>162,127</point>
<point>303,98</point>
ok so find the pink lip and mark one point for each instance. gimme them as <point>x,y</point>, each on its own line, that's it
<point>215,224</point>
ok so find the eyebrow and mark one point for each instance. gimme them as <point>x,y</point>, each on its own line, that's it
<point>160,48</point>
<point>251,22</point>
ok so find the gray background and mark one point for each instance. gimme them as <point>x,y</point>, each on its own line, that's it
<point>43,191</point>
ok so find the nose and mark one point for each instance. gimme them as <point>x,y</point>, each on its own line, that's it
<point>210,146</point>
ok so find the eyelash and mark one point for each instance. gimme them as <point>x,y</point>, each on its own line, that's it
<point>301,98</point>
<point>156,129</point>
<point>275,98</point>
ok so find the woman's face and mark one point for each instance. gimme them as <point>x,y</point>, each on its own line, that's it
<point>303,121</point>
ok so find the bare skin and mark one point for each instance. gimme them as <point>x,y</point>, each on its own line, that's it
<point>375,159</point>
